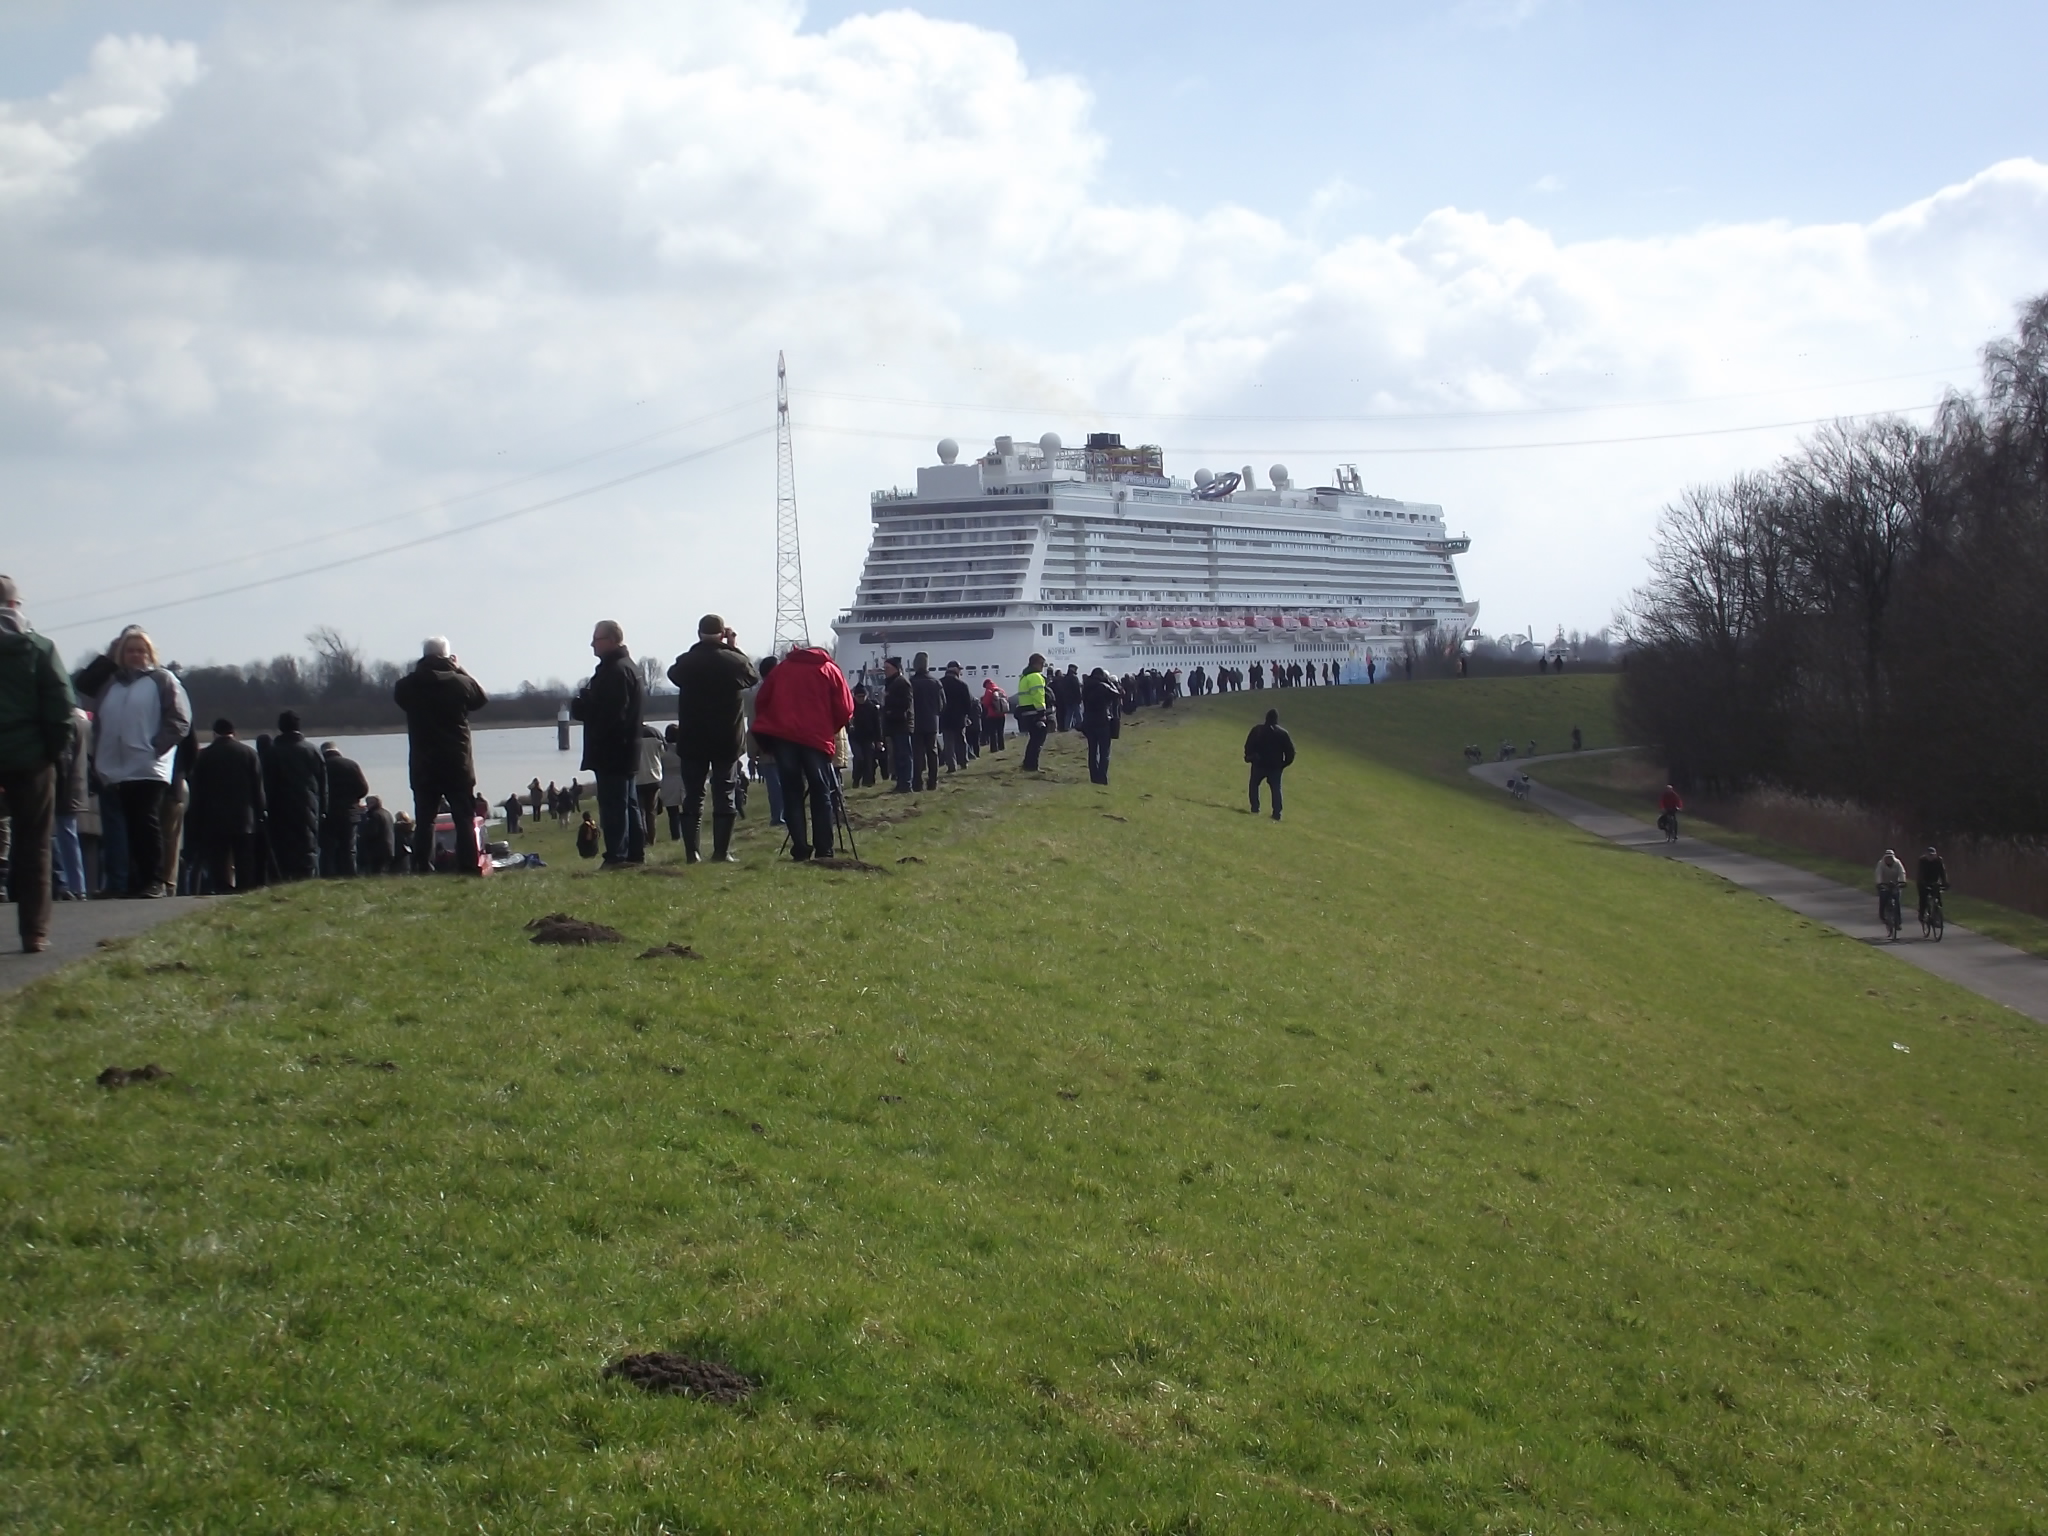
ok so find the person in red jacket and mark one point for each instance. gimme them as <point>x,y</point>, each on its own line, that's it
<point>1670,805</point>
<point>802,707</point>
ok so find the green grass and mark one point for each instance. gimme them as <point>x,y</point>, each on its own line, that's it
<point>1629,782</point>
<point>1128,1164</point>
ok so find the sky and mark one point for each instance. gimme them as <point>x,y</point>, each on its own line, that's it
<point>461,317</point>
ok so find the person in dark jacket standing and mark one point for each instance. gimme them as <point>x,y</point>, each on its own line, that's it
<point>377,843</point>
<point>899,708</point>
<point>610,706</point>
<point>1270,750</point>
<point>226,810</point>
<point>35,728</point>
<point>927,699</point>
<point>864,736</point>
<point>438,698</point>
<point>711,678</point>
<point>346,789</point>
<point>1101,721</point>
<point>955,711</point>
<point>295,789</point>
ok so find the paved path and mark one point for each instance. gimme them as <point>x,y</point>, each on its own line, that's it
<point>76,928</point>
<point>1984,966</point>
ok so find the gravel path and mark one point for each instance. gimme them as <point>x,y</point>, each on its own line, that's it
<point>1985,966</point>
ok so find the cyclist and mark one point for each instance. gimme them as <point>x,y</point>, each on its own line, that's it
<point>1891,877</point>
<point>1669,805</point>
<point>1933,876</point>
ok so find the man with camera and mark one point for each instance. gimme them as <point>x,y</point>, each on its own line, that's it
<point>710,678</point>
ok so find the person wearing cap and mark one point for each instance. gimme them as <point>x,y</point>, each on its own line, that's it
<point>295,792</point>
<point>346,790</point>
<point>955,709</point>
<point>1031,709</point>
<point>1270,751</point>
<point>899,713</point>
<point>712,678</point>
<point>36,726</point>
<point>1932,876</point>
<point>926,698</point>
<point>226,810</point>
<point>864,736</point>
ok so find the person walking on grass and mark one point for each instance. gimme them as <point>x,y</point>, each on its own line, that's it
<point>1270,751</point>
<point>438,698</point>
<point>1031,710</point>
<point>803,706</point>
<point>712,680</point>
<point>36,726</point>
<point>609,704</point>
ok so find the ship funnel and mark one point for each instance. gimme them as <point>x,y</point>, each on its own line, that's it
<point>1250,483</point>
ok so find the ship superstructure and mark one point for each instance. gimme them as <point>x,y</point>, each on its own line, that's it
<point>1093,556</point>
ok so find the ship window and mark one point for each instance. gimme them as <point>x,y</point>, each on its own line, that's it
<point>1045,629</point>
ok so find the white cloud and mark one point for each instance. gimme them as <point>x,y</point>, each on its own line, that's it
<point>348,260</point>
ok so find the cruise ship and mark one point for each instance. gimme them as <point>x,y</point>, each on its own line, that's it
<point>1095,557</point>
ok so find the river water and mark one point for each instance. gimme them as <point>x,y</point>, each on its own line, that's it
<point>506,760</point>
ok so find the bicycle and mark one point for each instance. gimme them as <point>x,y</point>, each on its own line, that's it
<point>1888,911</point>
<point>1935,921</point>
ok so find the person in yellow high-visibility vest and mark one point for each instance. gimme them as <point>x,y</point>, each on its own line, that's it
<point>1031,709</point>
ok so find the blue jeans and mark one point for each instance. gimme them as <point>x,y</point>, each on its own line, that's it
<point>68,856</point>
<point>806,773</point>
<point>902,760</point>
<point>771,780</point>
<point>618,817</point>
<point>1098,755</point>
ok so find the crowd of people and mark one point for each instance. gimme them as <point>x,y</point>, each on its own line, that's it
<point>107,790</point>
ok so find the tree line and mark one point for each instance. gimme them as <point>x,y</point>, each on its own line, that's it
<point>334,689</point>
<point>1865,620</point>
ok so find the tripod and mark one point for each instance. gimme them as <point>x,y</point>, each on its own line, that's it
<point>840,819</point>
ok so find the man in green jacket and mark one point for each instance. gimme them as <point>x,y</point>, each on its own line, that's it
<point>35,727</point>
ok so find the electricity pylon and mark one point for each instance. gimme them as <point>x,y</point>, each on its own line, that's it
<point>790,626</point>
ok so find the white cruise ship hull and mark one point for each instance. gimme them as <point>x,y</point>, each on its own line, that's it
<point>1028,551</point>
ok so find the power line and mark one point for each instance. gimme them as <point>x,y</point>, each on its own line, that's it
<point>409,512</point>
<point>1456,448</point>
<point>1070,409</point>
<point>430,538</point>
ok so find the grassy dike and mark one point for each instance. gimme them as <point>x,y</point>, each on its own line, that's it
<point>1128,1163</point>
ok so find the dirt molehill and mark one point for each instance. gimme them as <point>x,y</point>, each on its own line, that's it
<point>861,865</point>
<point>561,928</point>
<point>658,1371</point>
<point>120,1077</point>
<point>669,952</point>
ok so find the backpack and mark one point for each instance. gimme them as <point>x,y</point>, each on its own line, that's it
<point>1002,702</point>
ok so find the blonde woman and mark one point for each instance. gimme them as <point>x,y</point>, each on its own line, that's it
<point>141,714</point>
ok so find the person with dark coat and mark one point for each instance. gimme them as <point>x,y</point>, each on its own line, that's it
<point>377,843</point>
<point>225,817</point>
<point>346,790</point>
<point>864,736</point>
<point>610,706</point>
<point>36,726</point>
<point>899,711</point>
<point>295,790</point>
<point>711,678</point>
<point>803,706</point>
<point>927,699</point>
<point>1270,751</point>
<point>438,698</point>
<point>955,710</point>
<point>1101,721</point>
